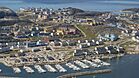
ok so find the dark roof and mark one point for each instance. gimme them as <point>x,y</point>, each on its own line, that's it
<point>80,52</point>
<point>93,44</point>
<point>64,43</point>
<point>72,43</point>
<point>84,45</point>
<point>112,50</point>
<point>54,39</point>
<point>137,34</point>
<point>44,34</point>
<point>82,41</point>
<point>101,50</point>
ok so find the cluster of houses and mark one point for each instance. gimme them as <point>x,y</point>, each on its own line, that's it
<point>131,17</point>
<point>89,43</point>
<point>37,31</point>
<point>109,37</point>
<point>89,21</point>
<point>36,44</point>
<point>56,42</point>
<point>66,14</point>
<point>80,44</point>
<point>105,16</point>
<point>42,13</point>
<point>63,15</point>
<point>66,30</point>
<point>7,47</point>
<point>130,14</point>
<point>134,26</point>
<point>5,38</point>
<point>33,32</point>
<point>99,50</point>
<point>135,36</point>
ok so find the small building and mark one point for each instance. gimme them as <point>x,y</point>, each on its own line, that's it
<point>120,49</point>
<point>72,43</point>
<point>59,32</point>
<point>41,43</point>
<point>20,44</point>
<point>81,52</point>
<point>99,42</point>
<point>31,44</point>
<point>101,50</point>
<point>83,45</point>
<point>136,37</point>
<point>22,36</point>
<point>111,50</point>
<point>126,32</point>
<point>34,34</point>
<point>36,44</point>
<point>70,31</point>
<point>65,43</point>
<point>22,54</point>
<point>35,50</point>
<point>53,39</point>
<point>81,41</point>
<point>23,50</point>
<point>5,49</point>
<point>92,43</point>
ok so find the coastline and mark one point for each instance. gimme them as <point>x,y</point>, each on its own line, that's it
<point>111,56</point>
<point>105,71</point>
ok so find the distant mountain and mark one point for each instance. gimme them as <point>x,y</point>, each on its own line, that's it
<point>56,1</point>
<point>132,9</point>
<point>76,1</point>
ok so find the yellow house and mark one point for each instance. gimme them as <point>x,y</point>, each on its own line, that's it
<point>59,31</point>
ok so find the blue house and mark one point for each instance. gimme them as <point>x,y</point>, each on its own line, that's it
<point>5,49</point>
<point>109,37</point>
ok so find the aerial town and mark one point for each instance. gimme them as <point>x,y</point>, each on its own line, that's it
<point>49,38</point>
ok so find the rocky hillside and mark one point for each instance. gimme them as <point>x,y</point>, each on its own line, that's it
<point>6,12</point>
<point>7,16</point>
<point>132,9</point>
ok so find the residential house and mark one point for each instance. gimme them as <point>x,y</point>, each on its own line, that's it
<point>101,50</point>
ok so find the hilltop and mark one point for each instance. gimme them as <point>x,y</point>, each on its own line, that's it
<point>6,12</point>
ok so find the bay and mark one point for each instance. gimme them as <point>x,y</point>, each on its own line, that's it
<point>99,5</point>
<point>125,67</point>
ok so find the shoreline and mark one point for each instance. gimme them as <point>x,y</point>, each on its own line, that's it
<point>133,53</point>
<point>86,73</point>
<point>111,56</point>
